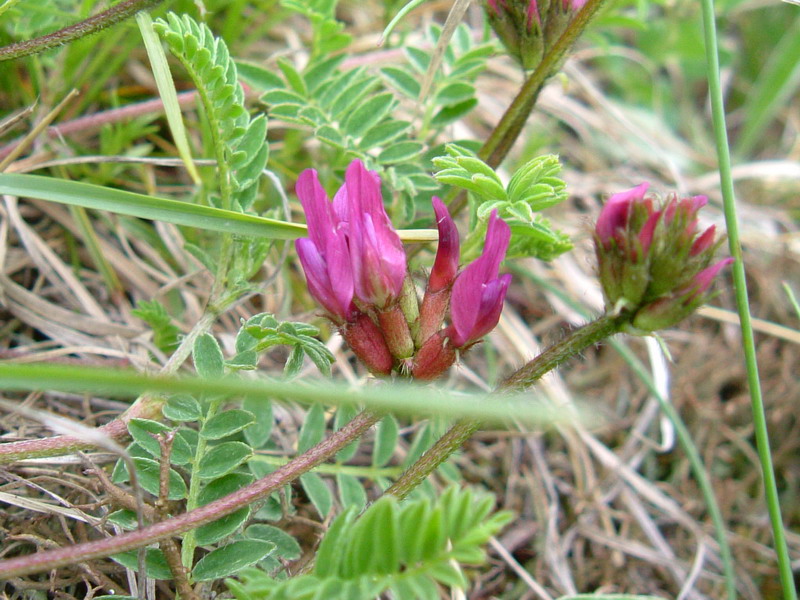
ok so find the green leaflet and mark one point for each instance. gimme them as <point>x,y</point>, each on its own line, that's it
<point>403,548</point>
<point>242,149</point>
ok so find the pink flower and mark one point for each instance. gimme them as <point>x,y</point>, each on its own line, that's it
<point>478,292</point>
<point>352,249</point>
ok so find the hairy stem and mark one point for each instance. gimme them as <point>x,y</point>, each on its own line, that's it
<point>573,344</point>
<point>93,24</point>
<point>499,143</point>
<point>51,559</point>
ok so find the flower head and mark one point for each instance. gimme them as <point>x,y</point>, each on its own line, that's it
<point>529,28</point>
<point>478,291</point>
<point>352,250</point>
<point>653,263</point>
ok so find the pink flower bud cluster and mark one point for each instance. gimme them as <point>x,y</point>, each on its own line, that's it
<point>356,269</point>
<point>654,264</point>
<point>528,28</point>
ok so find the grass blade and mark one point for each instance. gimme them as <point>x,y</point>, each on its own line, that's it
<point>743,304</point>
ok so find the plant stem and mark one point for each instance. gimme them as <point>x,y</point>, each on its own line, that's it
<point>743,303</point>
<point>51,559</point>
<point>499,143</point>
<point>189,544</point>
<point>548,360</point>
<point>93,24</point>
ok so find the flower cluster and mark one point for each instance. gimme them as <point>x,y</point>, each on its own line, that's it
<point>655,266</point>
<point>528,28</point>
<point>356,269</point>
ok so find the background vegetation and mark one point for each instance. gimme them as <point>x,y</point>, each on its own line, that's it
<point>610,506</point>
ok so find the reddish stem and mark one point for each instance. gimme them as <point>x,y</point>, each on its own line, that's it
<point>51,559</point>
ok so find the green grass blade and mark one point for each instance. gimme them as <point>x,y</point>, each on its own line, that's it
<point>166,89</point>
<point>403,399</point>
<point>776,84</point>
<point>743,304</point>
<point>76,193</point>
<point>87,195</point>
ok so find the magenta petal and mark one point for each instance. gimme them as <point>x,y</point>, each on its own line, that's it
<point>702,281</point>
<point>447,253</point>
<point>646,234</point>
<point>316,206</point>
<point>616,212</point>
<point>704,242</point>
<point>494,293</point>
<point>376,252</point>
<point>533,12</point>
<point>470,309</point>
<point>319,281</point>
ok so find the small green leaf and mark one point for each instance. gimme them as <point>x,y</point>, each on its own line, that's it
<point>286,546</point>
<point>420,59</point>
<point>124,518</point>
<point>334,544</point>
<point>226,423</point>
<point>155,563</point>
<point>149,472</point>
<point>351,492</point>
<point>259,432</point>
<point>454,93</point>
<point>369,113</point>
<point>143,431</point>
<point>386,435</point>
<point>403,81</point>
<point>318,492</point>
<point>453,112</point>
<point>229,559</point>
<point>313,429</point>
<point>294,78</point>
<point>286,112</point>
<point>227,484</point>
<point>222,459</point>
<point>345,414</point>
<point>282,96</point>
<point>258,77</point>
<point>182,407</point>
<point>383,133</point>
<point>221,528</point>
<point>331,136</point>
<point>295,362</point>
<point>400,152</point>
<point>319,72</point>
<point>207,355</point>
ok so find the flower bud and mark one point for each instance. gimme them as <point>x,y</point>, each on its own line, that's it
<point>529,28</point>
<point>368,344</point>
<point>435,356</point>
<point>437,293</point>
<point>653,264</point>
